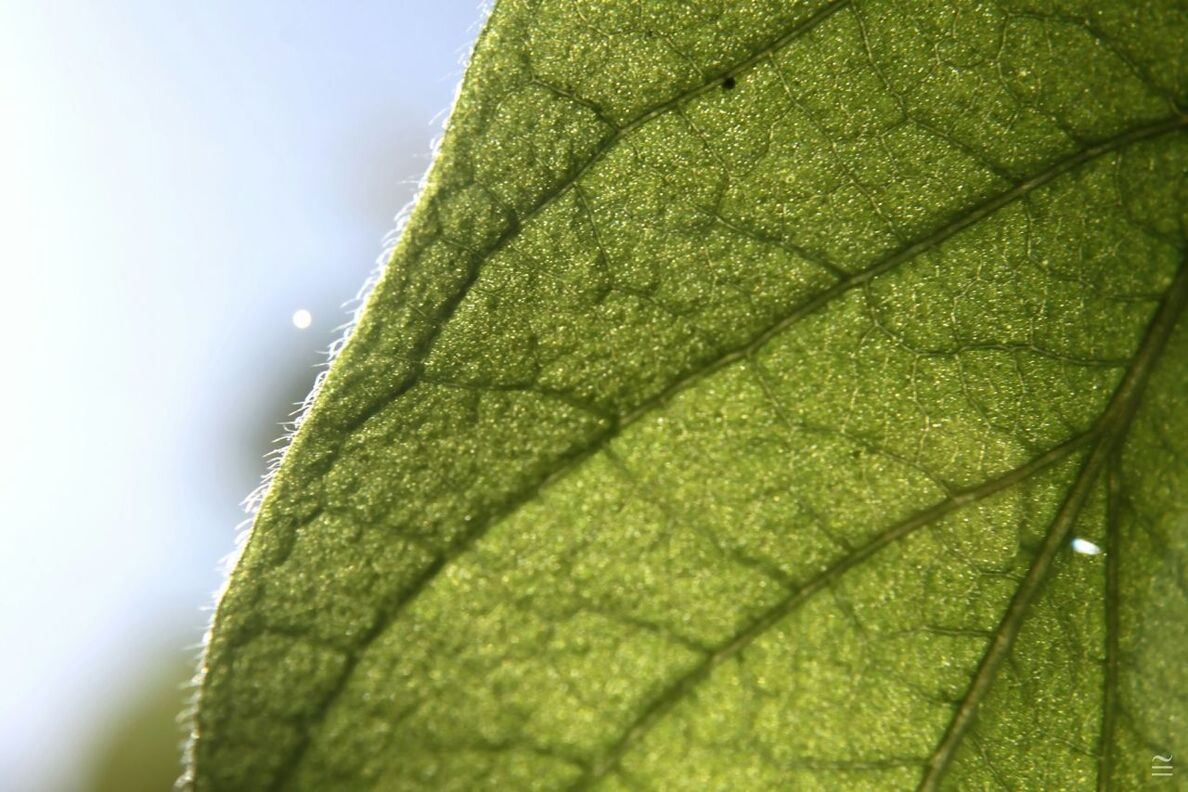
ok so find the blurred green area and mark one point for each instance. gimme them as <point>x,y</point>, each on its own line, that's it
<point>140,749</point>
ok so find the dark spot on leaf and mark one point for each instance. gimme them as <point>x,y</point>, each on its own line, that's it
<point>728,83</point>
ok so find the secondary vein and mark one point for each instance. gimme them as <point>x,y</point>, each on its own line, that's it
<point>1109,433</point>
<point>569,462</point>
<point>684,684</point>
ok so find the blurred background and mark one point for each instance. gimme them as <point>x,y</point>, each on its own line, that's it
<point>189,193</point>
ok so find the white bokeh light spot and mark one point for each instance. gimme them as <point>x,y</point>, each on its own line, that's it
<point>302,319</point>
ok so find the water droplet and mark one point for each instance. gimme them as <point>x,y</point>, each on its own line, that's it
<point>1085,546</point>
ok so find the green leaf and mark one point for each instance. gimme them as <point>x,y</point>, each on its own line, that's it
<point>727,412</point>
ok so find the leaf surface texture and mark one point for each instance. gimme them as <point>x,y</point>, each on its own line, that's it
<point>727,411</point>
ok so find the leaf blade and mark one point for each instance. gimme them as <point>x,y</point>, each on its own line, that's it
<point>459,405</point>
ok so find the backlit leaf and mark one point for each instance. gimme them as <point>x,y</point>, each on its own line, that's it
<point>728,412</point>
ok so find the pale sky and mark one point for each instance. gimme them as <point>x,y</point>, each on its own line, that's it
<point>178,181</point>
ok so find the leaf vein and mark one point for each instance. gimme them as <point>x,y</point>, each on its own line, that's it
<point>408,594</point>
<point>683,685</point>
<point>426,345</point>
<point>1108,434</point>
